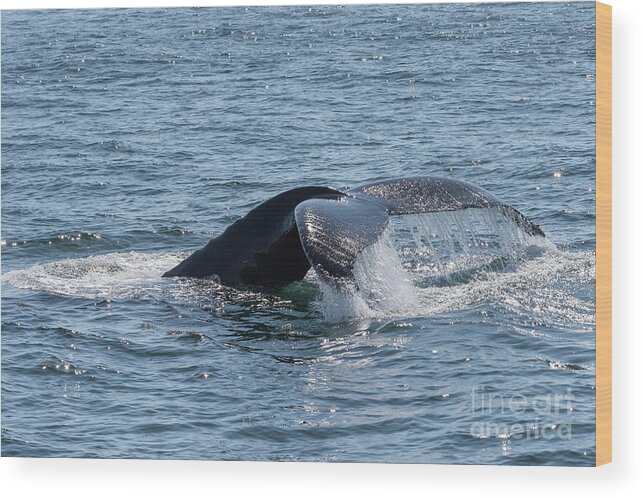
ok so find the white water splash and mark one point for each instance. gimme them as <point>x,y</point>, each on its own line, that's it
<point>107,276</point>
<point>442,262</point>
<point>540,290</point>
<point>384,286</point>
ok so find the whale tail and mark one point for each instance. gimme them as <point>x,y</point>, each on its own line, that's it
<point>281,239</point>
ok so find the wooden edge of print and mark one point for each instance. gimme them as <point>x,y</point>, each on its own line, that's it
<point>603,233</point>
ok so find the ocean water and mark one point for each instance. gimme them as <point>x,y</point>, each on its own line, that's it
<point>132,137</point>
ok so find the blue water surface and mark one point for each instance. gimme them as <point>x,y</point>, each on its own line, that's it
<point>132,137</point>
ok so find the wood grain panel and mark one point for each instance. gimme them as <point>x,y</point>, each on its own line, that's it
<point>603,233</point>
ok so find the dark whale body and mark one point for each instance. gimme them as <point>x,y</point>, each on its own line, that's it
<point>278,241</point>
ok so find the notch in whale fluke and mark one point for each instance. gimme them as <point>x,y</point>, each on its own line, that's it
<point>281,239</point>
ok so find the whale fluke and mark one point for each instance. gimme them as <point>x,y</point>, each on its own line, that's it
<point>278,241</point>
<point>434,194</point>
<point>334,232</point>
<point>261,248</point>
